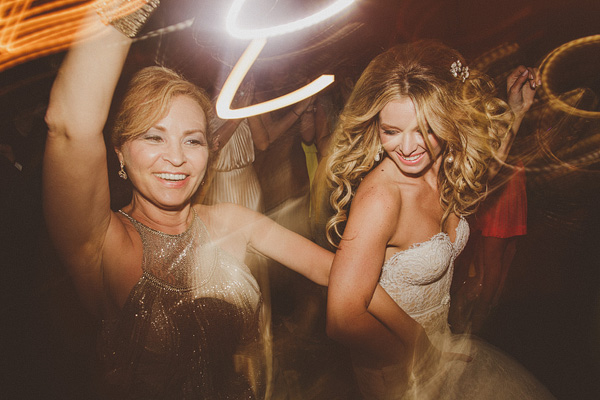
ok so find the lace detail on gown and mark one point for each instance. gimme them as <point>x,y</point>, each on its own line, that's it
<point>419,278</point>
<point>185,323</point>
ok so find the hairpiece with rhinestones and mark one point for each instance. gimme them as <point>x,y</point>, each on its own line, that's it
<point>458,71</point>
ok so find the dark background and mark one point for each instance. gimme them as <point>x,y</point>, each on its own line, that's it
<point>549,316</point>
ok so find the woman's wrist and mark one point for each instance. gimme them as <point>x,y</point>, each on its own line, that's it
<point>128,17</point>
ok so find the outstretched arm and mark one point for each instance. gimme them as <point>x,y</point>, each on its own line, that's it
<point>76,192</point>
<point>278,243</point>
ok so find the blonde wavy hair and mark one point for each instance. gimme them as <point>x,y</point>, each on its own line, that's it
<point>467,118</point>
<point>148,99</point>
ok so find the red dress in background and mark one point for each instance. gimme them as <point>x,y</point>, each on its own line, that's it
<point>504,213</point>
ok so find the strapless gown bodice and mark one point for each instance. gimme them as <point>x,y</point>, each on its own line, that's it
<point>419,278</point>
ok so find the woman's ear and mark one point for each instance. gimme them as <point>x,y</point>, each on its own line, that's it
<point>119,154</point>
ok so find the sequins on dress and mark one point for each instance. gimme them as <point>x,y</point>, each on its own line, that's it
<point>188,324</point>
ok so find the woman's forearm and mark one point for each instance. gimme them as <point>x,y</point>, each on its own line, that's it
<point>369,340</point>
<point>82,92</point>
<point>379,331</point>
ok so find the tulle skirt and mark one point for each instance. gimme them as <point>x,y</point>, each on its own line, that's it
<point>491,375</point>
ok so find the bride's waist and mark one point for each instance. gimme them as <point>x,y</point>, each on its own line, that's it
<point>444,303</point>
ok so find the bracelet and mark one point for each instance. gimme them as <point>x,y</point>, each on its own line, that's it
<point>126,16</point>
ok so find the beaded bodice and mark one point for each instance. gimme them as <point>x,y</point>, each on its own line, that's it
<point>194,308</point>
<point>190,263</point>
<point>419,278</point>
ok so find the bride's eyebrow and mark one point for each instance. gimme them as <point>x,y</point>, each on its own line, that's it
<point>388,126</point>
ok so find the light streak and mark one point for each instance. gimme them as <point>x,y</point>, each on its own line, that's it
<point>259,36</point>
<point>236,77</point>
<point>549,63</point>
<point>30,30</point>
<point>263,33</point>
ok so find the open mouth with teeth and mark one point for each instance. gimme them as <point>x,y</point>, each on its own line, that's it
<point>412,159</point>
<point>171,177</point>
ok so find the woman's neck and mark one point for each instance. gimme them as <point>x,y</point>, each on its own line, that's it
<point>167,221</point>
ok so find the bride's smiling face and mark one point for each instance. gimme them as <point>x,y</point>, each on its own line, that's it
<point>403,140</point>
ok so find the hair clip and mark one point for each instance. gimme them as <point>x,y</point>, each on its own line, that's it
<point>458,71</point>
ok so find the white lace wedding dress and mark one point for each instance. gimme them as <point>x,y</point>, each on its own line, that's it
<point>419,279</point>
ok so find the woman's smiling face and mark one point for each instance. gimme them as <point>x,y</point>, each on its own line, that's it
<point>403,140</point>
<point>167,163</point>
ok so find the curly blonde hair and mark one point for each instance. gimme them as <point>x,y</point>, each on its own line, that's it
<point>467,118</point>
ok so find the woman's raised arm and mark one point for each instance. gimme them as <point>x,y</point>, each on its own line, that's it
<point>521,86</point>
<point>76,192</point>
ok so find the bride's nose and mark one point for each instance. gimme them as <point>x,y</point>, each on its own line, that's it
<point>408,144</point>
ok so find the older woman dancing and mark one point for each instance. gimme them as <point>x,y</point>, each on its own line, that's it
<point>166,277</point>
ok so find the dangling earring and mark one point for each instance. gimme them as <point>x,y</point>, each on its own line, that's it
<point>450,156</point>
<point>379,153</point>
<point>122,173</point>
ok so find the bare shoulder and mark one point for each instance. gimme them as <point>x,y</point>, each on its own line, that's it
<point>379,192</point>
<point>228,220</point>
<point>121,232</point>
<point>229,226</point>
<point>225,216</point>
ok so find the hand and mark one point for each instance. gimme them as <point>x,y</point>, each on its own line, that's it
<point>521,85</point>
<point>301,106</point>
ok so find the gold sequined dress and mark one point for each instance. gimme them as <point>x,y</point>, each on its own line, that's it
<point>186,323</point>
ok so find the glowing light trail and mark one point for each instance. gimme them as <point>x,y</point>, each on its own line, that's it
<point>236,77</point>
<point>550,62</point>
<point>259,36</point>
<point>29,30</point>
<point>263,33</point>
